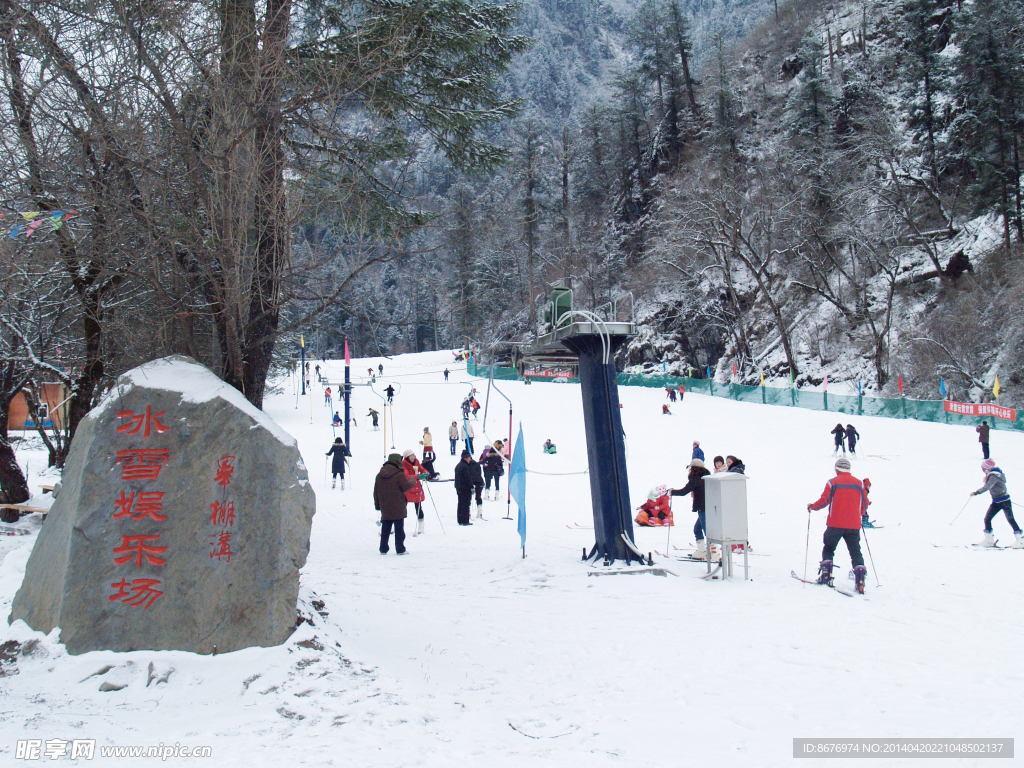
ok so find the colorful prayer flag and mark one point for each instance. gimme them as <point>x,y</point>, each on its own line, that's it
<point>942,387</point>
<point>995,387</point>
<point>348,358</point>
<point>762,378</point>
<point>826,382</point>
<point>899,381</point>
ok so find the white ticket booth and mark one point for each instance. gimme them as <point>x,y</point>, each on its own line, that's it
<point>725,515</point>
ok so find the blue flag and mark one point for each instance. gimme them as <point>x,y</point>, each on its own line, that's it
<point>517,482</point>
<point>709,371</point>
<point>858,388</point>
<point>942,387</point>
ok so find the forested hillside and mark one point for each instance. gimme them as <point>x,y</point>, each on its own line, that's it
<point>838,192</point>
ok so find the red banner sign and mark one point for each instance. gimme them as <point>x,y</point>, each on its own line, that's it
<point>543,373</point>
<point>980,409</point>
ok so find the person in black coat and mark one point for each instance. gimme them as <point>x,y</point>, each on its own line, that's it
<point>852,436</point>
<point>732,464</point>
<point>340,451</point>
<point>468,479</point>
<point>840,434</point>
<point>695,487</point>
<point>494,468</point>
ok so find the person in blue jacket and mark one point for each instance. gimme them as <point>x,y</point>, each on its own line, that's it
<point>697,452</point>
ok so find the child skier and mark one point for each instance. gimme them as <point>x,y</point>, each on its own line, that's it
<point>327,396</point>
<point>840,433</point>
<point>340,451</point>
<point>852,436</point>
<point>995,483</point>
<point>846,501</point>
<point>373,415</point>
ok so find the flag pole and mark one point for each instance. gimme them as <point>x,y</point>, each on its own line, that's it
<point>348,391</point>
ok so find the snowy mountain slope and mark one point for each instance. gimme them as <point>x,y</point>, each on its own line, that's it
<point>464,652</point>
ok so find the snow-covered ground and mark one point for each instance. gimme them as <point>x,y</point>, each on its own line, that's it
<point>464,653</point>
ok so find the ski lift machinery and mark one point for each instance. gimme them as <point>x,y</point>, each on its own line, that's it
<point>593,338</point>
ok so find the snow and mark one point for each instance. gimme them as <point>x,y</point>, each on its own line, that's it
<point>465,653</point>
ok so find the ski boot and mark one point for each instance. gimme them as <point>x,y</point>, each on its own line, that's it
<point>825,572</point>
<point>479,511</point>
<point>419,527</point>
<point>860,575</point>
<point>701,552</point>
<point>333,483</point>
<point>1018,542</point>
<point>342,481</point>
<point>865,523</point>
<point>988,541</point>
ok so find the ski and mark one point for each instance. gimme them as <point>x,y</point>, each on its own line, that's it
<point>575,527</point>
<point>968,546</point>
<point>831,586</point>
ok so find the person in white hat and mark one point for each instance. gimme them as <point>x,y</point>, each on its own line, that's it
<point>846,499</point>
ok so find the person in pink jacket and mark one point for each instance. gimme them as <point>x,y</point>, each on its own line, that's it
<point>416,472</point>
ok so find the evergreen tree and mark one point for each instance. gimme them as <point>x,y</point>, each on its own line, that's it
<point>990,66</point>
<point>926,30</point>
<point>811,103</point>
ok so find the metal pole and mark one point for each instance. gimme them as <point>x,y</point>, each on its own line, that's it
<point>435,509</point>
<point>962,508</point>
<point>302,364</point>
<point>872,559</point>
<point>807,548</point>
<point>348,390</point>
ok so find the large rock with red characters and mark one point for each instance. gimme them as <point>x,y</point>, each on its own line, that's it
<point>182,522</point>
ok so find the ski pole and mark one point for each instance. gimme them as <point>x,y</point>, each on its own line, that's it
<point>807,548</point>
<point>435,509</point>
<point>326,459</point>
<point>962,508</point>
<point>877,582</point>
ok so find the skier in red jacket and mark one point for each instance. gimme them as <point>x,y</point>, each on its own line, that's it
<point>846,500</point>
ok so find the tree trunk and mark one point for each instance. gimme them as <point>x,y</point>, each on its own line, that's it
<point>13,485</point>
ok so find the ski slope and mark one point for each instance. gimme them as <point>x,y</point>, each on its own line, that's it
<point>464,653</point>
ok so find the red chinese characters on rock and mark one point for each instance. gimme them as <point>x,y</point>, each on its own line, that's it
<point>142,463</point>
<point>137,550</point>
<point>140,593</point>
<point>225,468</point>
<point>222,512</point>
<point>146,504</point>
<point>146,422</point>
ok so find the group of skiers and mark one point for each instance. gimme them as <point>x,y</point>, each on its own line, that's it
<point>850,435</point>
<point>694,488</point>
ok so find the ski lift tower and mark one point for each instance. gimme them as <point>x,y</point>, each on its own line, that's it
<point>594,341</point>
